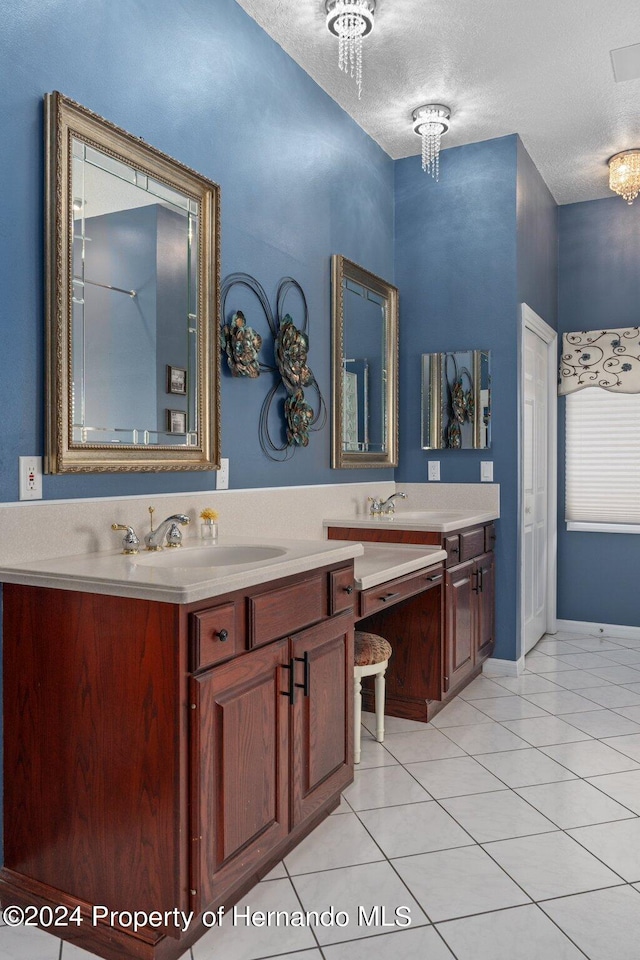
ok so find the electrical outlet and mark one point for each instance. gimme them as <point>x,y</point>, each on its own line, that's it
<point>222,476</point>
<point>30,478</point>
<point>434,469</point>
<point>486,471</point>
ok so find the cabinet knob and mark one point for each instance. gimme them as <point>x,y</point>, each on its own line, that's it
<point>223,635</point>
<point>349,589</point>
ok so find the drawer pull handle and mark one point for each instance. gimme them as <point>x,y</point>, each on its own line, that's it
<point>390,596</point>
<point>434,579</point>
<point>349,589</point>
<point>222,634</point>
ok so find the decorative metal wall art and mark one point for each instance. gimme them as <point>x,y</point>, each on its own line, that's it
<point>459,401</point>
<point>242,345</point>
<point>291,346</point>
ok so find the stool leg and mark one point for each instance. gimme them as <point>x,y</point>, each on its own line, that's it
<point>357,717</point>
<point>379,693</point>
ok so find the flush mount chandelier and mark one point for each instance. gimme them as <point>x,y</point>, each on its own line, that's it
<point>624,174</point>
<point>430,122</point>
<point>350,21</point>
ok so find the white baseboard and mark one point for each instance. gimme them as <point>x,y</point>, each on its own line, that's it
<point>589,629</point>
<point>503,668</point>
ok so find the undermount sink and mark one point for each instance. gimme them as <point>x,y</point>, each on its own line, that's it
<point>211,556</point>
<point>424,516</point>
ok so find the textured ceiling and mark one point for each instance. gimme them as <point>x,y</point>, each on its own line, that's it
<point>540,68</point>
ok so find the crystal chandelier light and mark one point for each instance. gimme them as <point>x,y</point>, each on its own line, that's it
<point>430,122</point>
<point>350,21</point>
<point>624,174</point>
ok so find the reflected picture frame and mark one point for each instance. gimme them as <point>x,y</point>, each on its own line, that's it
<point>176,380</point>
<point>176,421</point>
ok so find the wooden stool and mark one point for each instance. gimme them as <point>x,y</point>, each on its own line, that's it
<point>371,659</point>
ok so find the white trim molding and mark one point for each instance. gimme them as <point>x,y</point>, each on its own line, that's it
<point>590,629</point>
<point>494,667</point>
<point>602,527</point>
<point>529,320</point>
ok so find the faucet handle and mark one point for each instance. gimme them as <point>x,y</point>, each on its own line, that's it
<point>174,536</point>
<point>376,506</point>
<point>130,542</point>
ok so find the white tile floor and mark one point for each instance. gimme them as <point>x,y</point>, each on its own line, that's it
<point>510,827</point>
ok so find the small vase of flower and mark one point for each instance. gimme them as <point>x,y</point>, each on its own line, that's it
<point>209,525</point>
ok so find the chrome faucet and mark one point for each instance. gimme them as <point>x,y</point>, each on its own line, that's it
<point>388,505</point>
<point>153,539</point>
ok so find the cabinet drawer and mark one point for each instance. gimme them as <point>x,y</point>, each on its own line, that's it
<point>386,594</point>
<point>489,537</point>
<point>341,590</point>
<point>471,543</point>
<point>277,613</point>
<point>452,546</point>
<point>214,635</point>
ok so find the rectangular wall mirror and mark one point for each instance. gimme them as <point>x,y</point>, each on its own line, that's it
<point>132,291</point>
<point>364,369</point>
<point>456,400</point>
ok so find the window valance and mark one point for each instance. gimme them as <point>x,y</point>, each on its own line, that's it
<point>601,358</point>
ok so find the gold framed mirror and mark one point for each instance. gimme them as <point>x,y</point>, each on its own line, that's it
<point>364,381</point>
<point>132,291</point>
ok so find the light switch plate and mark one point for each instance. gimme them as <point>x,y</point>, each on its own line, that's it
<point>486,471</point>
<point>434,469</point>
<point>222,476</point>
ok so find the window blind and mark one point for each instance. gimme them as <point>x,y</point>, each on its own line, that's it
<point>602,457</point>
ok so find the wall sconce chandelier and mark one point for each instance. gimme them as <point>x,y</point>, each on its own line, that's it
<point>624,174</point>
<point>430,122</point>
<point>350,21</point>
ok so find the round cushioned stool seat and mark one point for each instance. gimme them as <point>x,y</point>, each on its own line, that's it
<point>370,649</point>
<point>371,655</point>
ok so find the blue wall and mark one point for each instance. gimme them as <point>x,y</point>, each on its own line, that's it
<point>599,287</point>
<point>456,265</point>
<point>300,181</point>
<point>537,225</point>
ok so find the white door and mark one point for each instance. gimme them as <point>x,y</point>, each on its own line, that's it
<point>537,459</point>
<point>535,451</point>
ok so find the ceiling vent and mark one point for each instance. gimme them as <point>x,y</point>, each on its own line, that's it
<point>626,63</point>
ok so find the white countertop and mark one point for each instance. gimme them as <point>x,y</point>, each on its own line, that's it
<point>381,562</point>
<point>438,521</point>
<point>151,576</point>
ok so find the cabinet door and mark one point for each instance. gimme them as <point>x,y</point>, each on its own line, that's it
<point>485,567</point>
<point>460,627</point>
<point>239,757</point>
<point>322,716</point>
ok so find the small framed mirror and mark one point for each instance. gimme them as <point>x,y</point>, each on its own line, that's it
<point>364,368</point>
<point>132,258</point>
<point>456,400</point>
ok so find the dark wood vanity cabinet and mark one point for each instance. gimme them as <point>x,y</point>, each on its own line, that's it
<point>470,603</point>
<point>408,613</point>
<point>440,640</point>
<point>162,756</point>
<point>270,747</point>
